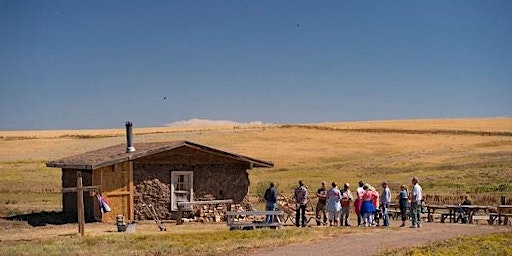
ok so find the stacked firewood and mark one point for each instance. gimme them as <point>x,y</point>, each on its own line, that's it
<point>155,193</point>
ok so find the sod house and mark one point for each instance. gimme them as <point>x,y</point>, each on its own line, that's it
<point>160,174</point>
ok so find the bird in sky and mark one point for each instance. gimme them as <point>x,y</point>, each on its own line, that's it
<point>164,98</point>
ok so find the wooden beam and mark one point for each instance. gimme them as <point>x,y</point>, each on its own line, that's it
<point>84,188</point>
<point>227,201</point>
<point>131,207</point>
<point>80,203</point>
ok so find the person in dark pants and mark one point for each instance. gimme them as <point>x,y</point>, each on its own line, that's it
<point>301,199</point>
<point>404,203</point>
<point>357,204</point>
<point>416,198</point>
<point>462,212</point>
<point>271,199</point>
<point>385,200</point>
<point>321,194</point>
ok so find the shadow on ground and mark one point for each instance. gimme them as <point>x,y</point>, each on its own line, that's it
<point>43,218</point>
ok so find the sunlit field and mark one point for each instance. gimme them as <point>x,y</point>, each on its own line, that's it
<point>451,158</point>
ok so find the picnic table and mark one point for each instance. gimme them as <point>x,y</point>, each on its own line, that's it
<point>469,211</point>
<point>234,221</point>
<point>431,210</point>
<point>394,211</point>
<point>503,212</point>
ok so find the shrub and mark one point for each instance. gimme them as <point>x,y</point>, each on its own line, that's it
<point>261,187</point>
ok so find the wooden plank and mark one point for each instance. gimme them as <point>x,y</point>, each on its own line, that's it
<point>115,187</point>
<point>119,206</point>
<point>118,193</point>
<point>96,181</point>
<point>80,203</point>
<point>249,224</point>
<point>255,213</point>
<point>131,189</point>
<point>84,188</point>
<point>227,201</point>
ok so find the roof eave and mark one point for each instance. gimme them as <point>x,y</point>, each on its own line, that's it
<point>69,166</point>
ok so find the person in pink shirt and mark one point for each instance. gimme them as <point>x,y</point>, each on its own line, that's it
<point>367,207</point>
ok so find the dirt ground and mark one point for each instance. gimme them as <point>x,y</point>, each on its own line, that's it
<point>378,239</point>
<point>369,242</point>
<point>22,231</point>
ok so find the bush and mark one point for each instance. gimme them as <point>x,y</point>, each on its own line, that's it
<point>261,187</point>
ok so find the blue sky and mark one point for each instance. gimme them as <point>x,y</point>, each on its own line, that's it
<point>95,64</point>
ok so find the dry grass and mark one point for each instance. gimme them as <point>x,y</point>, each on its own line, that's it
<point>493,244</point>
<point>446,163</point>
<point>190,239</point>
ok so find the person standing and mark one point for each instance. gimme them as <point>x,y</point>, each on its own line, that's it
<point>367,205</point>
<point>321,194</point>
<point>416,199</point>
<point>403,201</point>
<point>346,200</point>
<point>271,199</point>
<point>385,200</point>
<point>357,204</point>
<point>334,204</point>
<point>301,199</point>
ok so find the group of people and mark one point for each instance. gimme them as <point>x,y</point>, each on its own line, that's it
<point>335,204</point>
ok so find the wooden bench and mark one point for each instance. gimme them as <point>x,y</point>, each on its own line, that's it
<point>504,218</point>
<point>394,214</point>
<point>234,219</point>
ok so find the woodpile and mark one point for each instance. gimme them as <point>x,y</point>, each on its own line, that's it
<point>152,192</point>
<point>217,213</point>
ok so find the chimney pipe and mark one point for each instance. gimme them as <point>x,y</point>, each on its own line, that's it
<point>129,137</point>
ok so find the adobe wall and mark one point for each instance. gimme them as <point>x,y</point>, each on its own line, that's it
<point>69,207</point>
<point>152,183</point>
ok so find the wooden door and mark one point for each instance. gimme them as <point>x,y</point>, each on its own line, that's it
<point>116,185</point>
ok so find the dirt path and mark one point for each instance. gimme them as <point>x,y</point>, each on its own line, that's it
<point>378,239</point>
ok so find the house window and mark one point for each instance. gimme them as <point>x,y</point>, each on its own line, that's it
<point>181,188</point>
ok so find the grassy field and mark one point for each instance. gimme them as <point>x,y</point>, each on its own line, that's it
<point>450,157</point>
<point>448,164</point>
<point>494,244</point>
<point>199,239</point>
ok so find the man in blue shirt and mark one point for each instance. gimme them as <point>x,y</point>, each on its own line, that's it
<point>271,198</point>
<point>385,199</point>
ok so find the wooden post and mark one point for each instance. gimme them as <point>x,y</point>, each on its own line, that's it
<point>80,203</point>
<point>80,189</point>
<point>179,220</point>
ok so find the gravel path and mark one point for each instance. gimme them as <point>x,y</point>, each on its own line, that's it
<point>378,239</point>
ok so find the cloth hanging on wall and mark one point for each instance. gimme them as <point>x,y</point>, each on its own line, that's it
<point>104,204</point>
